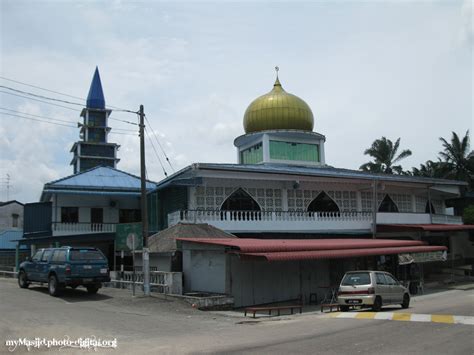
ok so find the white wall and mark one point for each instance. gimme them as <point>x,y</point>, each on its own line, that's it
<point>86,202</point>
<point>6,219</point>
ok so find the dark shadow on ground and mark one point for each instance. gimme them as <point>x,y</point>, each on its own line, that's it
<point>74,296</point>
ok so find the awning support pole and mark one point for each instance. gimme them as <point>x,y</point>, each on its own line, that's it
<point>374,209</point>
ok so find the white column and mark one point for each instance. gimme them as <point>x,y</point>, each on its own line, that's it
<point>322,156</point>
<point>284,199</point>
<point>266,148</point>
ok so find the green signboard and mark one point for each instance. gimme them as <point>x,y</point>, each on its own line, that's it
<point>127,236</point>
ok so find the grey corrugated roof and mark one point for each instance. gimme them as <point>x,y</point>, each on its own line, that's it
<point>100,178</point>
<point>300,170</point>
<point>165,241</point>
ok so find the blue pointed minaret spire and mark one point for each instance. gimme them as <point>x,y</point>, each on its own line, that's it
<point>96,99</point>
<point>93,148</point>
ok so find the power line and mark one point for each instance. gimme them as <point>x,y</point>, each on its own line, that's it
<point>36,119</point>
<point>59,93</point>
<point>41,96</point>
<point>39,116</point>
<point>56,119</point>
<point>161,147</point>
<point>156,153</point>
<point>46,102</point>
<point>69,108</point>
<point>59,124</point>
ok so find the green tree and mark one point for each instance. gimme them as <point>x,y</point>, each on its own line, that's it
<point>384,152</point>
<point>431,169</point>
<point>468,215</point>
<point>455,156</point>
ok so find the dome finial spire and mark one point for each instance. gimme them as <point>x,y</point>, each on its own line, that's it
<point>277,81</point>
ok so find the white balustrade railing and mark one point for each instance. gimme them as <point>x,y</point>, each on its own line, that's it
<point>301,220</point>
<point>210,215</point>
<point>59,227</point>
<point>160,281</point>
<point>446,219</point>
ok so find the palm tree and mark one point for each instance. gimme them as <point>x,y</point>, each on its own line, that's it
<point>432,169</point>
<point>456,157</point>
<point>385,156</point>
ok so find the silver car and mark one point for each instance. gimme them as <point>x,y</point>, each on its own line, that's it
<point>371,289</point>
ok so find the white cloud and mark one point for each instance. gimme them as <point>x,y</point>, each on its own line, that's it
<point>366,70</point>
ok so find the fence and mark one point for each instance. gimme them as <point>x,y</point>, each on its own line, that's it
<point>160,281</point>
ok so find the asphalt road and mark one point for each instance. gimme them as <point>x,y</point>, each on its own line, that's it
<point>155,325</point>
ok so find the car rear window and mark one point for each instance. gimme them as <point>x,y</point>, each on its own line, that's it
<point>356,278</point>
<point>85,254</point>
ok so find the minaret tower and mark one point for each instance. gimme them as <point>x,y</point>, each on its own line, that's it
<point>93,149</point>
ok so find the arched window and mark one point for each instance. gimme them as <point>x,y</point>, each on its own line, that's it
<point>388,205</point>
<point>240,201</point>
<point>427,208</point>
<point>323,203</point>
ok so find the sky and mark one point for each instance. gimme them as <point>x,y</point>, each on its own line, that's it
<point>367,69</point>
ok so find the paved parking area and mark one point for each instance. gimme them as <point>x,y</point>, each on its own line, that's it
<point>157,325</point>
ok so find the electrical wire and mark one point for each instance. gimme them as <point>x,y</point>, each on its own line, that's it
<point>56,119</point>
<point>41,96</point>
<point>56,123</point>
<point>69,108</point>
<point>30,114</point>
<point>36,119</point>
<point>60,93</point>
<point>46,102</point>
<point>156,153</point>
<point>161,147</point>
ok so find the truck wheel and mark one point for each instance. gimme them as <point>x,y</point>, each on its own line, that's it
<point>54,287</point>
<point>377,306</point>
<point>22,280</point>
<point>92,289</point>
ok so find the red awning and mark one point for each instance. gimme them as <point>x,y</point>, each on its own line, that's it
<point>308,249</point>
<point>424,227</point>
<point>252,245</point>
<point>337,254</point>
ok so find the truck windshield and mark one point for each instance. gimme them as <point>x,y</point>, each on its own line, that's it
<point>85,254</point>
<point>356,278</point>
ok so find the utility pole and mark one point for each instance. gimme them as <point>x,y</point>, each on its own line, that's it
<point>145,251</point>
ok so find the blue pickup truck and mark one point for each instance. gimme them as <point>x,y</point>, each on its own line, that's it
<point>65,266</point>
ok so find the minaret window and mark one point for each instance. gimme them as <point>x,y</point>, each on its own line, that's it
<point>240,201</point>
<point>294,151</point>
<point>387,205</point>
<point>252,155</point>
<point>323,203</point>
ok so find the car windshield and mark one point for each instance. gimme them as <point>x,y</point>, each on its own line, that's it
<point>356,278</point>
<point>85,254</point>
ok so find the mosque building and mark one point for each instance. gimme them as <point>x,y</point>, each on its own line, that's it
<point>300,222</point>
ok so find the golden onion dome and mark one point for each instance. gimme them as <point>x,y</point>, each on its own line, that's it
<point>278,109</point>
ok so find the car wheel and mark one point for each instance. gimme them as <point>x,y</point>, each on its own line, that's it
<point>344,308</point>
<point>377,306</point>
<point>92,289</point>
<point>53,286</point>
<point>22,280</point>
<point>406,301</point>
